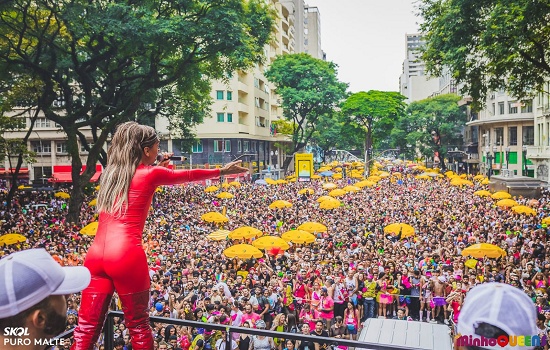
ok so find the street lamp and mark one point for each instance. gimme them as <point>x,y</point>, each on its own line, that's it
<point>507,150</point>
<point>524,148</point>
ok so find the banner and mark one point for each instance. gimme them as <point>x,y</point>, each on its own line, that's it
<point>303,164</point>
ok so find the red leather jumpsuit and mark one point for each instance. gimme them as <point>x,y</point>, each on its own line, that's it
<point>116,260</point>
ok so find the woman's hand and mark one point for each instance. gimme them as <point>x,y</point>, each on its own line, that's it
<point>233,168</point>
<point>165,159</point>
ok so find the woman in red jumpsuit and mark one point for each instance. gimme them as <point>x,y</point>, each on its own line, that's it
<point>116,258</point>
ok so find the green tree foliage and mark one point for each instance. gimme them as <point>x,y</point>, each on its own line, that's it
<point>375,112</point>
<point>332,132</point>
<point>440,114</point>
<point>488,45</point>
<point>111,61</point>
<point>309,89</point>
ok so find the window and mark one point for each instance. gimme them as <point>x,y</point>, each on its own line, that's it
<point>83,149</point>
<point>512,135</point>
<point>493,109</point>
<point>221,118</point>
<point>229,95</point>
<point>246,146</point>
<point>501,108</point>
<point>499,135</point>
<point>239,146</point>
<point>512,107</point>
<point>257,102</point>
<point>197,147</point>
<point>230,117</point>
<point>42,123</point>
<point>218,146</point>
<point>253,146</point>
<point>227,145</point>
<point>41,146</point>
<point>528,135</point>
<point>61,147</point>
<point>219,95</point>
<point>527,107</point>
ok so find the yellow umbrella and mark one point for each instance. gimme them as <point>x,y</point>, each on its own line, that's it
<point>501,195</point>
<point>97,188</point>
<point>214,216</point>
<point>268,242</point>
<point>218,235</point>
<point>324,198</point>
<point>507,203</point>
<point>351,188</point>
<point>281,182</point>
<point>225,185</point>
<point>482,250</point>
<point>280,204</point>
<point>93,202</point>
<point>315,177</point>
<point>423,177</point>
<point>374,178</point>
<point>298,236</point>
<point>270,181</point>
<point>90,229</point>
<point>312,227</point>
<point>235,184</point>
<point>479,177</point>
<point>383,174</point>
<point>63,195</point>
<point>546,221</point>
<point>329,186</point>
<point>406,230</point>
<point>12,238</point>
<point>450,173</point>
<point>523,209</point>
<point>306,190</point>
<point>243,251</point>
<point>159,190</point>
<point>245,232</point>
<point>337,193</point>
<point>485,182</point>
<point>211,189</point>
<point>225,195</point>
<point>337,176</point>
<point>397,174</point>
<point>483,193</point>
<point>330,204</point>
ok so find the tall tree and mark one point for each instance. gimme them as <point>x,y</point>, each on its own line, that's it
<point>106,62</point>
<point>488,45</point>
<point>426,121</point>
<point>309,89</point>
<point>332,132</point>
<point>376,113</point>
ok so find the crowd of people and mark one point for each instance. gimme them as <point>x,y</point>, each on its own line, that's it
<point>352,272</point>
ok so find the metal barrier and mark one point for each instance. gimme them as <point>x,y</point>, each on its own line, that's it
<point>108,331</point>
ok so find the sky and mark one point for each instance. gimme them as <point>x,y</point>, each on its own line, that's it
<point>366,39</point>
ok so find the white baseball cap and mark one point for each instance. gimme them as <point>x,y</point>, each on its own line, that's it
<point>30,276</point>
<point>499,305</point>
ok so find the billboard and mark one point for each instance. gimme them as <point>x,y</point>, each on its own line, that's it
<point>303,164</point>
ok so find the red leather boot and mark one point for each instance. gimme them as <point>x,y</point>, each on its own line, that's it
<point>91,316</point>
<point>136,317</point>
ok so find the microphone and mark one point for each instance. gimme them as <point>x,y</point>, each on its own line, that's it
<point>160,158</point>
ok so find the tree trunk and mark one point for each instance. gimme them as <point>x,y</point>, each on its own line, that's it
<point>368,146</point>
<point>14,177</point>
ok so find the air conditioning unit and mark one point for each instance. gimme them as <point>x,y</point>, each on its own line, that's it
<point>492,96</point>
<point>58,103</point>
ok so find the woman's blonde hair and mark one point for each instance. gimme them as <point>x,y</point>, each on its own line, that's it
<point>123,157</point>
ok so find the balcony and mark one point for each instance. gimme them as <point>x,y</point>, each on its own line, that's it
<point>242,86</point>
<point>538,152</point>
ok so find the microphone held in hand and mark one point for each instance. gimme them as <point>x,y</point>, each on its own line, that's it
<point>160,158</point>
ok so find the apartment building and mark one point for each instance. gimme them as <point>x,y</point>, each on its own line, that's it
<point>413,82</point>
<point>505,130</point>
<point>539,152</point>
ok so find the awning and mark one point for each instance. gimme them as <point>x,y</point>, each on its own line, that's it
<point>63,173</point>
<point>22,171</point>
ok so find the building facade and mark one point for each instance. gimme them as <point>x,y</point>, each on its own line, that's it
<point>413,82</point>
<point>539,152</point>
<point>504,132</point>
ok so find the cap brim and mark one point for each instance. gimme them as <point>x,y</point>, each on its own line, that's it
<point>76,279</point>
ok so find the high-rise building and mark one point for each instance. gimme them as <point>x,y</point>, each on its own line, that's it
<point>539,153</point>
<point>413,83</point>
<point>313,32</point>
